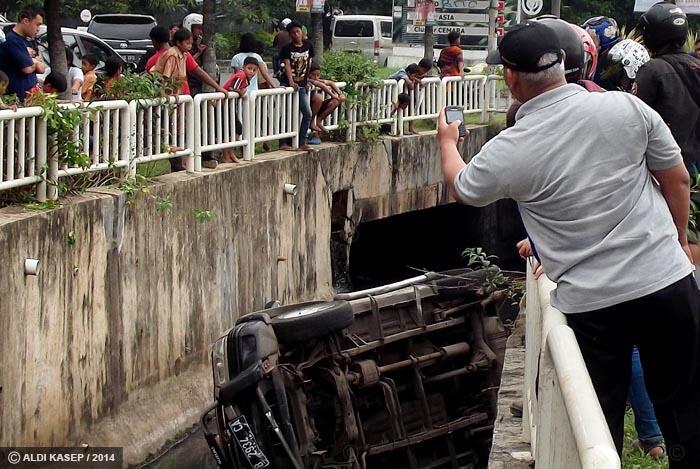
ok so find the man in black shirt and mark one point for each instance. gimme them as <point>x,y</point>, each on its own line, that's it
<point>296,58</point>
<point>670,82</point>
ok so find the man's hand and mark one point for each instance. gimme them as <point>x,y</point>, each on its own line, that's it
<point>295,85</point>
<point>524,248</point>
<point>201,48</point>
<point>688,252</point>
<point>447,133</point>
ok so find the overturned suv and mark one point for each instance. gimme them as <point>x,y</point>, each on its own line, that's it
<point>404,375</point>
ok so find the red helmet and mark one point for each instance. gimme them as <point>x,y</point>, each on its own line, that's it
<point>591,50</point>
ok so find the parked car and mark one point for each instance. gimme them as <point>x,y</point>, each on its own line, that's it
<point>402,375</point>
<point>127,33</point>
<point>80,42</point>
<point>368,34</point>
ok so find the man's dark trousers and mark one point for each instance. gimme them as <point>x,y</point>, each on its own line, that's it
<point>665,326</point>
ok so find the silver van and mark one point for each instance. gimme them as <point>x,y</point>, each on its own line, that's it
<point>368,34</point>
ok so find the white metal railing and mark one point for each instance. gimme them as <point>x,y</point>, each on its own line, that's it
<point>23,149</point>
<point>562,418</point>
<point>426,100</point>
<point>374,105</point>
<point>498,97</point>
<point>162,128</point>
<point>220,123</point>
<point>116,134</point>
<point>103,135</point>
<point>274,115</point>
<point>467,91</point>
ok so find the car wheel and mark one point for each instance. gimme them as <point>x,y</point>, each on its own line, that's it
<point>305,321</point>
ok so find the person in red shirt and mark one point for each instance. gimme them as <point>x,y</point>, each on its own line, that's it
<point>238,82</point>
<point>451,61</point>
<point>176,62</point>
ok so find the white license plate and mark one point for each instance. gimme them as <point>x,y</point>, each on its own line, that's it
<point>247,443</point>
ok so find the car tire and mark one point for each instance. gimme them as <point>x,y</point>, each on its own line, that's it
<point>305,321</point>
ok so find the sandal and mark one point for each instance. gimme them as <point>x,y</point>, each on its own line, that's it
<point>653,450</point>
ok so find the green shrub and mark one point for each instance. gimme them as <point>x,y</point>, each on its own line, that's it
<point>226,44</point>
<point>350,67</point>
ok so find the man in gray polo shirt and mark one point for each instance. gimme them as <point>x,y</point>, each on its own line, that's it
<point>580,166</point>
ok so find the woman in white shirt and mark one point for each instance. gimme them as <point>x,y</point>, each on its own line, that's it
<point>251,47</point>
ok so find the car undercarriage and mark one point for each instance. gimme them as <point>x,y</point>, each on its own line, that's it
<point>404,375</point>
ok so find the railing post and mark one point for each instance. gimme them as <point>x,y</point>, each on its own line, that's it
<point>125,126</point>
<point>486,99</point>
<point>52,172</point>
<point>132,137</point>
<point>248,134</point>
<point>442,94</point>
<point>193,162</point>
<point>41,162</point>
<point>295,119</point>
<point>196,132</point>
<point>395,99</point>
<point>399,113</point>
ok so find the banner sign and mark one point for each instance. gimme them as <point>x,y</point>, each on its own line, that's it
<point>690,7</point>
<point>465,17</point>
<point>304,6</point>
<point>463,30</point>
<point>317,6</point>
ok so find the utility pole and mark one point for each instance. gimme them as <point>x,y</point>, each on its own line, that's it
<point>493,14</point>
<point>428,41</point>
<point>317,35</point>
<point>208,31</point>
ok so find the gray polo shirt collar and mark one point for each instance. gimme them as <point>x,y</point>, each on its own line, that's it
<point>547,99</point>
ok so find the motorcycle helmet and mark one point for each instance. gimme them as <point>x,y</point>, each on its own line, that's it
<point>631,55</point>
<point>191,20</point>
<point>571,43</point>
<point>663,24</point>
<point>590,60</point>
<point>605,30</point>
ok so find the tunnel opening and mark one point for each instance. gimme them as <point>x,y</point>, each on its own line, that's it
<point>406,245</point>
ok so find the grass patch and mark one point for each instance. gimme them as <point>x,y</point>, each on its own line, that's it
<point>153,168</point>
<point>632,456</point>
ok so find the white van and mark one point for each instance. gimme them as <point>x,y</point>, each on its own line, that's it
<point>368,34</point>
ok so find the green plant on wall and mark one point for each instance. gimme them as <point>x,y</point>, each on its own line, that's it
<point>60,123</point>
<point>202,215</point>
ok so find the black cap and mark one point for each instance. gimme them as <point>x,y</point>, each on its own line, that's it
<point>524,45</point>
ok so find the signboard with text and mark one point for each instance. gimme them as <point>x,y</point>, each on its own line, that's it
<point>304,6</point>
<point>470,17</point>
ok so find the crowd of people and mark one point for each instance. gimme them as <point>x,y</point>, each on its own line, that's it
<point>177,55</point>
<point>601,144</point>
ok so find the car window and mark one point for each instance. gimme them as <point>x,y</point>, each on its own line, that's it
<point>354,28</point>
<point>99,50</point>
<point>70,42</point>
<point>127,28</point>
<point>386,28</point>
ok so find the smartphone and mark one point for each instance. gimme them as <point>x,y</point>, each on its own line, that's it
<point>456,114</point>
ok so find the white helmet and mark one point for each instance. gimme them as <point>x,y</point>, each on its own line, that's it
<point>631,54</point>
<point>285,22</point>
<point>191,20</point>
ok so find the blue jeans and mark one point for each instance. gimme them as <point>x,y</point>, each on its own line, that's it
<point>648,431</point>
<point>305,109</point>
